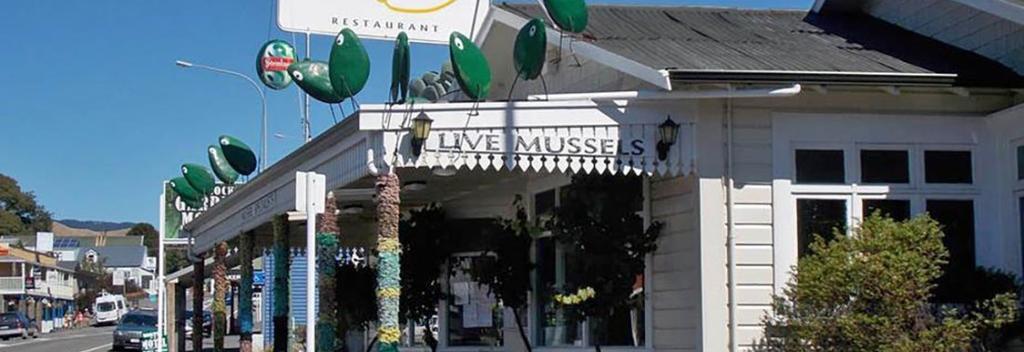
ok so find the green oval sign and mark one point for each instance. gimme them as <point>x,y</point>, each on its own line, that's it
<point>314,79</point>
<point>272,63</point>
<point>239,155</point>
<point>530,49</point>
<point>470,66</point>
<point>199,178</point>
<point>400,69</point>
<point>189,195</point>
<point>349,64</point>
<point>569,15</point>
<point>220,165</point>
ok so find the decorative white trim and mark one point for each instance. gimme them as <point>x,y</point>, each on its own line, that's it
<point>534,136</point>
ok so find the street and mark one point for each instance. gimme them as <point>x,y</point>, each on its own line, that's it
<point>91,339</point>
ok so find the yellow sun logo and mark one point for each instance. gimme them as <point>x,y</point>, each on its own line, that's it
<point>398,6</point>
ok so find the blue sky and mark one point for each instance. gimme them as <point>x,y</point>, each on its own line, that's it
<point>94,114</point>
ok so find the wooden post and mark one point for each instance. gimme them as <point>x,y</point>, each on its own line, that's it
<point>220,290</point>
<point>245,292</point>
<point>327,250</point>
<point>281,283</point>
<point>389,264</point>
<point>198,270</point>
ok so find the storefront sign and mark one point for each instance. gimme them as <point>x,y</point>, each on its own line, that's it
<point>429,21</point>
<point>598,149</point>
<point>177,213</point>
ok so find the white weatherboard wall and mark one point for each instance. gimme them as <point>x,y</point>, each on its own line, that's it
<point>1008,126</point>
<point>676,264</point>
<point>752,216</point>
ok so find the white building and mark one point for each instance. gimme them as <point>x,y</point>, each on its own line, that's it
<point>792,122</point>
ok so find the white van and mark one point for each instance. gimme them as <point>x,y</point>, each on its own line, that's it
<point>109,309</point>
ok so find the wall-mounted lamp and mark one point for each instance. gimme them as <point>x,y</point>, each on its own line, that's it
<point>668,131</point>
<point>420,132</point>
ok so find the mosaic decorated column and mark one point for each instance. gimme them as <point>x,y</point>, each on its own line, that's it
<point>280,251</point>
<point>198,269</point>
<point>388,265</point>
<point>326,262</point>
<point>245,251</point>
<point>220,289</point>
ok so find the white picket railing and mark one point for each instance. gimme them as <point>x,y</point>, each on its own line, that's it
<point>12,285</point>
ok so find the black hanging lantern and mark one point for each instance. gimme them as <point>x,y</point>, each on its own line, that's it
<point>420,132</point>
<point>668,131</point>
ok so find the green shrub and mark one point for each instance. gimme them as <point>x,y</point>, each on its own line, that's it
<point>872,292</point>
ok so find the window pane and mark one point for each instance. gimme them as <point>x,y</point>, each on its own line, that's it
<point>884,166</point>
<point>897,209</point>
<point>820,166</point>
<point>957,220</point>
<point>556,328</point>
<point>947,167</point>
<point>474,315</point>
<point>544,203</point>
<point>818,217</point>
<point>1020,162</point>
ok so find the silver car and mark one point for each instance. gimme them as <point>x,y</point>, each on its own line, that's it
<point>15,324</point>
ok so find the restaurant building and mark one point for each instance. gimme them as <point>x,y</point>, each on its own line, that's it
<point>790,123</point>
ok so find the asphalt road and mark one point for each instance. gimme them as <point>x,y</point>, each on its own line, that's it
<point>90,339</point>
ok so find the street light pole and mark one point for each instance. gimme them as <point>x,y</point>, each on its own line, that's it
<point>263,101</point>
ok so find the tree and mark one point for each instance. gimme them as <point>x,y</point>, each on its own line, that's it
<point>424,255</point>
<point>19,212</point>
<point>600,222</point>
<point>150,236</point>
<point>506,272</point>
<point>871,292</point>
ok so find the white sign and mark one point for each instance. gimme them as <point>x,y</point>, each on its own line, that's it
<point>44,242</point>
<point>310,184</point>
<point>119,277</point>
<point>428,21</point>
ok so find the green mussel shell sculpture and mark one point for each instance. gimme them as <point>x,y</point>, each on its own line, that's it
<point>189,195</point>
<point>470,66</point>
<point>569,15</point>
<point>199,178</point>
<point>239,155</point>
<point>400,69</point>
<point>349,64</point>
<point>530,49</point>
<point>219,163</point>
<point>314,79</point>
<point>272,63</point>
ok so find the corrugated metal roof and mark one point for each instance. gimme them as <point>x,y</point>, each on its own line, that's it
<point>704,39</point>
<point>118,256</point>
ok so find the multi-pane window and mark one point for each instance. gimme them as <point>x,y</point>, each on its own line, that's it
<point>946,166</point>
<point>957,220</point>
<point>897,209</point>
<point>818,217</point>
<point>820,166</point>
<point>1020,162</point>
<point>884,166</point>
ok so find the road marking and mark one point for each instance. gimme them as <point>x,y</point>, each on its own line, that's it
<point>97,348</point>
<point>46,339</point>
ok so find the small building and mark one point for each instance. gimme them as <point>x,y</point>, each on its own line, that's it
<point>791,123</point>
<point>130,263</point>
<point>33,283</point>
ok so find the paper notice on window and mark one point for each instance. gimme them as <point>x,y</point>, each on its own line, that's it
<point>477,315</point>
<point>461,292</point>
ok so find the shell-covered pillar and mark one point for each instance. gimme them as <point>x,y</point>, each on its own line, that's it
<point>220,290</point>
<point>326,262</point>
<point>245,252</point>
<point>281,260</point>
<point>198,269</point>
<point>388,265</point>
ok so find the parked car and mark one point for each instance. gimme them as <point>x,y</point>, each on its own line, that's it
<point>132,327</point>
<point>207,323</point>
<point>16,324</point>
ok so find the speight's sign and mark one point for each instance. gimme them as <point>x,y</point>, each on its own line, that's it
<point>177,213</point>
<point>428,21</point>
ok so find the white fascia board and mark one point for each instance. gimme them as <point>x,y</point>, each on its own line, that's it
<point>657,77</point>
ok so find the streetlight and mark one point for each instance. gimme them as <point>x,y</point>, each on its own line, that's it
<point>263,101</point>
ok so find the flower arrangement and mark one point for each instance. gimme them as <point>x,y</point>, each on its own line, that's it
<point>581,295</point>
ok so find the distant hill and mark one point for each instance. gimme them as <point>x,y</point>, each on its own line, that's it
<point>90,228</point>
<point>96,225</point>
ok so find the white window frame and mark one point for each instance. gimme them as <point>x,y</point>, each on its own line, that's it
<point>852,133</point>
<point>548,184</point>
